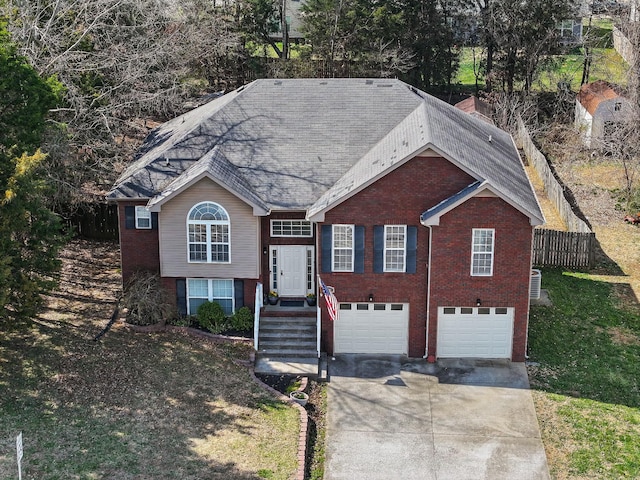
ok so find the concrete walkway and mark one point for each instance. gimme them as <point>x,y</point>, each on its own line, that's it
<point>390,418</point>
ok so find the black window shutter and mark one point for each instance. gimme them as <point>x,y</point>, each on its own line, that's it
<point>129,217</point>
<point>326,238</point>
<point>238,293</point>
<point>412,248</point>
<point>181,295</point>
<point>378,248</point>
<point>154,220</point>
<point>359,249</point>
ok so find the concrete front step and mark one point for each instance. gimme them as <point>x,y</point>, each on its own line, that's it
<point>287,320</point>
<point>289,344</point>
<point>287,353</point>
<point>274,365</point>
<point>287,337</point>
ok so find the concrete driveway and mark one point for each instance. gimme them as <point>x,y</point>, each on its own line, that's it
<point>391,418</point>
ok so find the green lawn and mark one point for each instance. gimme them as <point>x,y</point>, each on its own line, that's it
<point>586,378</point>
<point>606,64</point>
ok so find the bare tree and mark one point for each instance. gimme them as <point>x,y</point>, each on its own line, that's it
<point>121,62</point>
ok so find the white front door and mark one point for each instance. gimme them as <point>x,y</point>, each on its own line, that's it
<point>291,273</point>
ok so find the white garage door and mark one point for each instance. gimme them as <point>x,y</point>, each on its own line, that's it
<point>372,328</point>
<point>482,332</point>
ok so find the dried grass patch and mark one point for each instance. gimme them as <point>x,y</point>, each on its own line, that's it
<point>131,406</point>
<point>556,432</point>
<point>623,336</point>
<point>552,218</point>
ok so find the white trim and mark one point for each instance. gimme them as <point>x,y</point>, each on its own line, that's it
<point>333,247</point>
<point>291,220</point>
<point>143,216</point>
<point>479,231</point>
<point>403,267</point>
<point>208,224</point>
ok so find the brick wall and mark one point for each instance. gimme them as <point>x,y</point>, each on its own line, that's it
<point>451,282</point>
<point>400,198</point>
<point>138,248</point>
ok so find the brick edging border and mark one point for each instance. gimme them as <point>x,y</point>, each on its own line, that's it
<point>304,417</point>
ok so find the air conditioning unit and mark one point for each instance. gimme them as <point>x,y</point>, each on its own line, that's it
<point>536,282</point>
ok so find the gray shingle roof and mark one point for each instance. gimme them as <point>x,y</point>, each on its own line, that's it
<point>432,215</point>
<point>306,144</point>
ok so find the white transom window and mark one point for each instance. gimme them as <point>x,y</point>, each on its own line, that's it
<point>290,228</point>
<point>342,251</point>
<point>201,290</point>
<point>143,217</point>
<point>395,248</point>
<point>208,234</point>
<point>482,252</point>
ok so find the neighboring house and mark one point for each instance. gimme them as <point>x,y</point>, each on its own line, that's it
<point>476,107</point>
<point>599,107</point>
<point>292,14</point>
<point>419,215</point>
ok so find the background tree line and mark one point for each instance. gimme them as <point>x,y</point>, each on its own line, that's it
<point>102,73</point>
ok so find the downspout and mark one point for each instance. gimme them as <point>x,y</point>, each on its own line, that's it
<point>426,347</point>
<point>317,283</point>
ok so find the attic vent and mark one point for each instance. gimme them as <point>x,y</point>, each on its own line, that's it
<point>384,85</point>
<point>369,82</point>
<point>490,138</point>
<point>277,82</point>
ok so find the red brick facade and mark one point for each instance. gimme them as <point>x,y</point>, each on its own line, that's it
<point>399,198</point>
<point>139,248</point>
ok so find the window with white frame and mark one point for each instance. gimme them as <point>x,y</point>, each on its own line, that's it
<point>201,290</point>
<point>208,233</point>
<point>290,228</point>
<point>342,251</point>
<point>482,252</point>
<point>395,248</point>
<point>143,217</point>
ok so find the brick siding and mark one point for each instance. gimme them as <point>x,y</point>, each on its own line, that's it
<point>400,198</point>
<point>139,248</point>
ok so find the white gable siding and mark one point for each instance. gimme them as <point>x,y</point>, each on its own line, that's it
<point>245,235</point>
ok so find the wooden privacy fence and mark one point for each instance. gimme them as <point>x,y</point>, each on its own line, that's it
<point>563,249</point>
<point>555,191</point>
<point>99,222</point>
<point>553,248</point>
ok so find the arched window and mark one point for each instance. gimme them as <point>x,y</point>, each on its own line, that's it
<point>208,233</point>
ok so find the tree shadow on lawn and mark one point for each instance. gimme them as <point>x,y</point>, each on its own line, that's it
<point>132,406</point>
<point>587,345</point>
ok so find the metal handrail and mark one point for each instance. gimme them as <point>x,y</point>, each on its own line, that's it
<point>256,314</point>
<point>318,327</point>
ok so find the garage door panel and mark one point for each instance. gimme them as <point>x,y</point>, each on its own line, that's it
<point>473,334</point>
<point>372,330</point>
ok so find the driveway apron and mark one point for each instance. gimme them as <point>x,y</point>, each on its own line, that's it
<point>389,417</point>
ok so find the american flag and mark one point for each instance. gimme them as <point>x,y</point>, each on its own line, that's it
<point>330,299</point>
